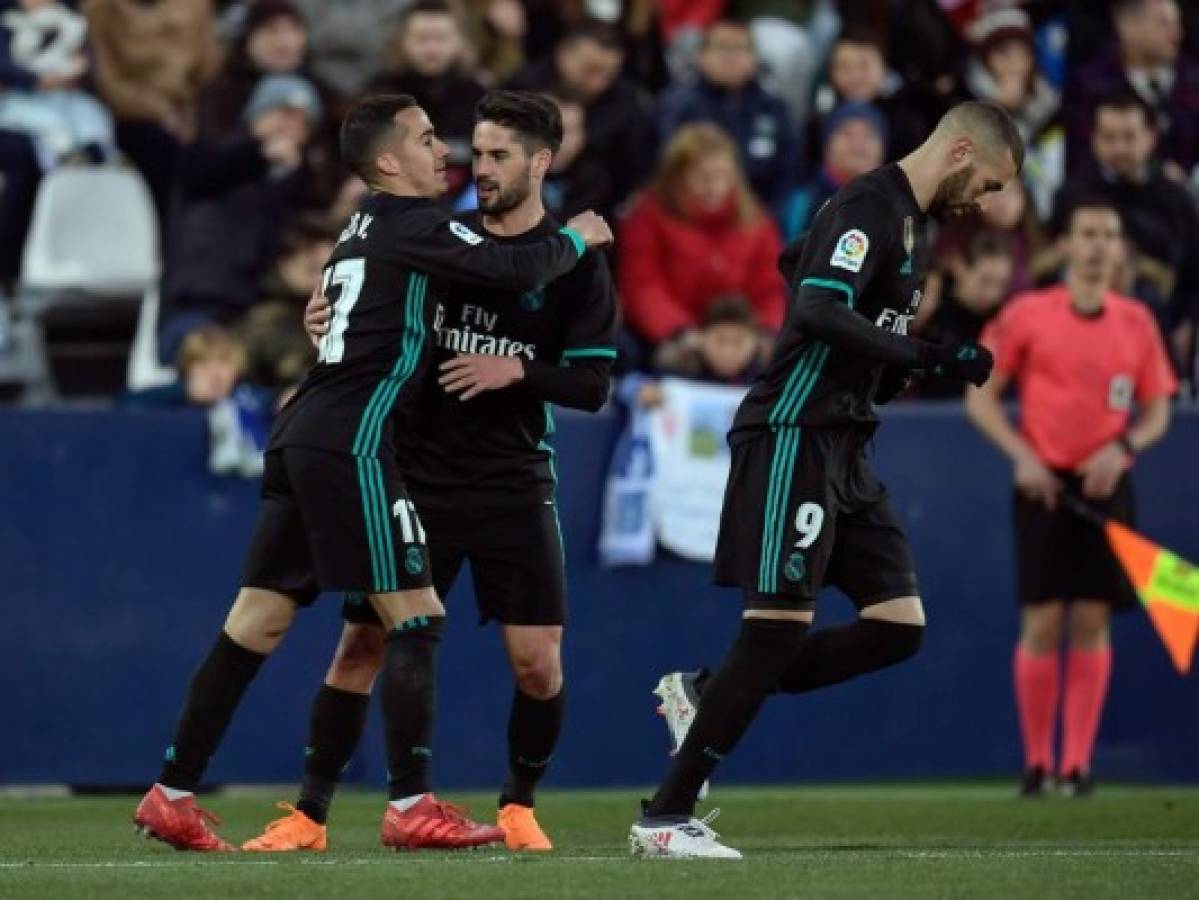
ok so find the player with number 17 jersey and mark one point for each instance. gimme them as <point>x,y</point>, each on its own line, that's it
<point>336,514</point>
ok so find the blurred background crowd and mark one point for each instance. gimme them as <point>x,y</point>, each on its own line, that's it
<point>708,131</point>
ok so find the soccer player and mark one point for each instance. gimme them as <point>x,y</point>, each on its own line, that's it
<point>335,512</point>
<point>802,508</point>
<point>1081,355</point>
<point>481,475</point>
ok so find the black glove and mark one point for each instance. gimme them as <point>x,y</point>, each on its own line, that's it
<point>960,362</point>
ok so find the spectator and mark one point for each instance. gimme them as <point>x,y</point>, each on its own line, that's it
<point>729,347</point>
<point>1149,63</point>
<point>499,32</point>
<point>1159,216</point>
<point>857,73</point>
<point>696,234</point>
<point>348,39</point>
<point>1007,212</point>
<point>151,58</point>
<point>210,362</point>
<point>430,64</point>
<point>303,252</point>
<point>974,285</point>
<point>1003,68</point>
<point>729,94</point>
<point>278,350</point>
<point>41,65</point>
<point>586,65</point>
<point>791,38</point>
<point>854,141</point>
<point>235,195</point>
<point>1080,356</point>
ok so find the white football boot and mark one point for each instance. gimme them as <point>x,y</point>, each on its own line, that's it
<point>680,703</point>
<point>678,839</point>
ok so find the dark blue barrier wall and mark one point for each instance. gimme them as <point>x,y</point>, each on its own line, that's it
<point>119,555</point>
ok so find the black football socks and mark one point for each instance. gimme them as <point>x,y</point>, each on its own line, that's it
<point>533,729</point>
<point>732,697</point>
<point>833,655</point>
<point>338,718</point>
<point>408,695</point>
<point>212,697</point>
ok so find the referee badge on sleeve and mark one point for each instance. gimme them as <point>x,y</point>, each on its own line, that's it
<point>851,250</point>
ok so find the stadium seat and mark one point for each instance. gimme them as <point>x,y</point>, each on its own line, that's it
<point>91,258</point>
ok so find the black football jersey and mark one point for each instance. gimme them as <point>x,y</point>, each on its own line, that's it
<point>866,245</point>
<point>374,358</point>
<point>491,451</point>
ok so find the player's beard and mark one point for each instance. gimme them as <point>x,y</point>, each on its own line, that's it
<point>506,199</point>
<point>950,198</point>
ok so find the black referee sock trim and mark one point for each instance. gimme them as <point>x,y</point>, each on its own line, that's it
<point>408,698</point>
<point>212,697</point>
<point>335,728</point>
<point>833,655</point>
<point>732,697</point>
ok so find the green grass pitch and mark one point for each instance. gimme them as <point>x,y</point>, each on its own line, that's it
<point>873,841</point>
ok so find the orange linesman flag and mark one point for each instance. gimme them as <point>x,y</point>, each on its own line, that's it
<point>1168,587</point>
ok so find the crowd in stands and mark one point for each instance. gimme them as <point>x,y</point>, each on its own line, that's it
<point>710,132</point>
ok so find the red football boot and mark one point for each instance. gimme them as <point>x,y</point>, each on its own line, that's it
<point>433,825</point>
<point>179,823</point>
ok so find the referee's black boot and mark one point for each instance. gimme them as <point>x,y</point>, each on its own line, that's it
<point>1035,782</point>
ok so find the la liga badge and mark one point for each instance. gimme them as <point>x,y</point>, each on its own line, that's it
<point>851,250</point>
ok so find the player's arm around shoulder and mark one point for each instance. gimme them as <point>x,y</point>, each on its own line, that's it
<point>428,239</point>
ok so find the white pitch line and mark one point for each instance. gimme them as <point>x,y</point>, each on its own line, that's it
<point>406,860</point>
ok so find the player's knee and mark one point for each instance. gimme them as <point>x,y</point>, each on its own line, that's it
<point>1089,625</point>
<point>357,660</point>
<point>259,619</point>
<point>1041,629</point>
<point>899,610</point>
<point>538,674</point>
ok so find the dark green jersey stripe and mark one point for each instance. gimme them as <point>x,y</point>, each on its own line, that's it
<point>832,284</point>
<point>774,525</point>
<point>369,414</point>
<point>386,541</point>
<point>590,352</point>
<point>797,374</point>
<point>414,334</point>
<point>368,514</point>
<point>789,412</point>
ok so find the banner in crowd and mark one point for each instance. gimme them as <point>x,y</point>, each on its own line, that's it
<point>691,464</point>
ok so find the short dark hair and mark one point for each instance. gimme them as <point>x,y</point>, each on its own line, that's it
<point>535,118</point>
<point>733,22</point>
<point>1089,201</point>
<point>1126,100</point>
<point>596,31</point>
<point>990,124</point>
<point>729,309</point>
<point>864,36</point>
<point>985,243</point>
<point>366,122</point>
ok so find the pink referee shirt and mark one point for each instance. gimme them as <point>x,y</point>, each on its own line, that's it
<point>1077,376</point>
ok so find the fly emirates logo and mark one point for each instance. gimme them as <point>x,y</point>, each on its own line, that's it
<point>474,332</point>
<point>899,322</point>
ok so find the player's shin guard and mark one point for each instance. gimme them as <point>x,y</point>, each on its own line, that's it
<point>1087,675</point>
<point>334,730</point>
<point>732,697</point>
<point>212,697</point>
<point>533,729</point>
<point>833,655</point>
<point>408,696</point>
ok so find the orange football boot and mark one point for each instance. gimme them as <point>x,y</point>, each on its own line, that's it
<point>294,831</point>
<point>434,825</point>
<point>521,831</point>
<point>179,823</point>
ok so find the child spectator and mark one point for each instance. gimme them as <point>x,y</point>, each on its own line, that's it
<point>975,284</point>
<point>729,93</point>
<point>41,65</point>
<point>854,141</point>
<point>1003,68</point>
<point>429,61</point>
<point>697,234</point>
<point>211,360</point>
<point>729,347</point>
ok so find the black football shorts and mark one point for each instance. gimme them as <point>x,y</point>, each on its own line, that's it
<point>515,555</point>
<point>335,522</point>
<point>803,509</point>
<point>1062,557</point>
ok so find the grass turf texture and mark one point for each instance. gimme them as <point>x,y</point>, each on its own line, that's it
<point>868,841</point>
